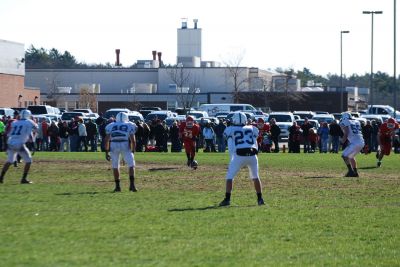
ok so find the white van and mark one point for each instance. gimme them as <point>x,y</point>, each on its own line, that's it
<point>213,109</point>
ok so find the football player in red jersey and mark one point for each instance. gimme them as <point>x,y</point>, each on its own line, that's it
<point>263,128</point>
<point>385,136</point>
<point>189,132</point>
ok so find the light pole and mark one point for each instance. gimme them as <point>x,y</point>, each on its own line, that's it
<point>371,77</point>
<point>341,69</point>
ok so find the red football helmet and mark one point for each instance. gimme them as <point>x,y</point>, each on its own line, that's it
<point>189,121</point>
<point>391,123</point>
<point>260,123</point>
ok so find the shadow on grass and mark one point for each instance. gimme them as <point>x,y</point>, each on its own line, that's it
<point>367,168</point>
<point>319,177</point>
<point>81,193</point>
<point>211,208</point>
<point>162,169</point>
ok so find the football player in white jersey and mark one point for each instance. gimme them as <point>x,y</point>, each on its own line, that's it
<point>120,139</point>
<point>21,131</point>
<point>352,135</point>
<point>243,152</point>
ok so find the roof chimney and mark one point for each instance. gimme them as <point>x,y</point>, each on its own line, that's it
<point>159,58</point>
<point>154,54</point>
<point>195,23</point>
<point>117,63</point>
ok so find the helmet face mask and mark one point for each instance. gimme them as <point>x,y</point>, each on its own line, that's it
<point>391,123</point>
<point>189,121</point>
<point>122,117</point>
<point>25,114</point>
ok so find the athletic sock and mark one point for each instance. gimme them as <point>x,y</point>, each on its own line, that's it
<point>355,170</point>
<point>228,196</point>
<point>259,196</point>
<point>117,184</point>
<point>132,180</point>
<point>349,167</point>
<point>24,176</point>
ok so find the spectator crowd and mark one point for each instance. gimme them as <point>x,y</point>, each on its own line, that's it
<point>78,135</point>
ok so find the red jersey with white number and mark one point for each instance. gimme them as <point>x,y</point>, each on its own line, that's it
<point>387,129</point>
<point>262,131</point>
<point>189,133</point>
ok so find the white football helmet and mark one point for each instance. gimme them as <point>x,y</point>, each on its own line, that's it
<point>239,118</point>
<point>25,114</point>
<point>122,117</point>
<point>346,116</point>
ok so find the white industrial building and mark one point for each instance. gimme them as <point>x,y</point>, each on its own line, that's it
<point>150,81</point>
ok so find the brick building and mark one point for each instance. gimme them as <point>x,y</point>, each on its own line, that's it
<point>13,92</point>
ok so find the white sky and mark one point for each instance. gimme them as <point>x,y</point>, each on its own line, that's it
<point>265,33</point>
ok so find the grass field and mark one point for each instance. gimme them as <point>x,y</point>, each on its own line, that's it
<point>313,216</point>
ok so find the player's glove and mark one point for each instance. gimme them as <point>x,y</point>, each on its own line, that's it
<point>108,158</point>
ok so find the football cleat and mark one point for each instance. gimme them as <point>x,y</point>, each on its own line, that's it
<point>132,188</point>
<point>194,164</point>
<point>260,202</point>
<point>224,203</point>
<point>351,174</point>
<point>25,181</point>
<point>378,164</point>
<point>117,189</point>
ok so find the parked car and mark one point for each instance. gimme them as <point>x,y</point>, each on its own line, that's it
<point>41,118</point>
<point>42,109</point>
<point>161,115</point>
<point>304,114</point>
<point>284,120</point>
<point>135,116</point>
<point>6,112</point>
<point>68,116</point>
<point>372,117</point>
<point>114,111</point>
<point>324,118</point>
<point>198,114</point>
<point>314,123</point>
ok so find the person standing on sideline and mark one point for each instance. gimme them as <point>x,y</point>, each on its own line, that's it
<point>219,134</point>
<point>21,131</point>
<point>386,134</point>
<point>245,149</point>
<point>305,127</point>
<point>120,139</point>
<point>275,132</point>
<point>352,134</point>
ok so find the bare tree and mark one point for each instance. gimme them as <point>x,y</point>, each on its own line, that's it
<point>186,85</point>
<point>52,85</point>
<point>238,76</point>
<point>87,99</point>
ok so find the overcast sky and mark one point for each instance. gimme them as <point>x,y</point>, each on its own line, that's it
<point>264,33</point>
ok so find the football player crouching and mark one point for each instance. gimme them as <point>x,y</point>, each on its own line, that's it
<point>120,139</point>
<point>243,149</point>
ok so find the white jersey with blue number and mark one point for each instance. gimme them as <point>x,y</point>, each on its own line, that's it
<point>355,134</point>
<point>120,131</point>
<point>20,131</point>
<point>241,137</point>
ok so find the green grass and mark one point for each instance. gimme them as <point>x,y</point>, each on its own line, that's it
<point>313,216</point>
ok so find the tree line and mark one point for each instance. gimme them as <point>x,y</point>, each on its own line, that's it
<point>41,58</point>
